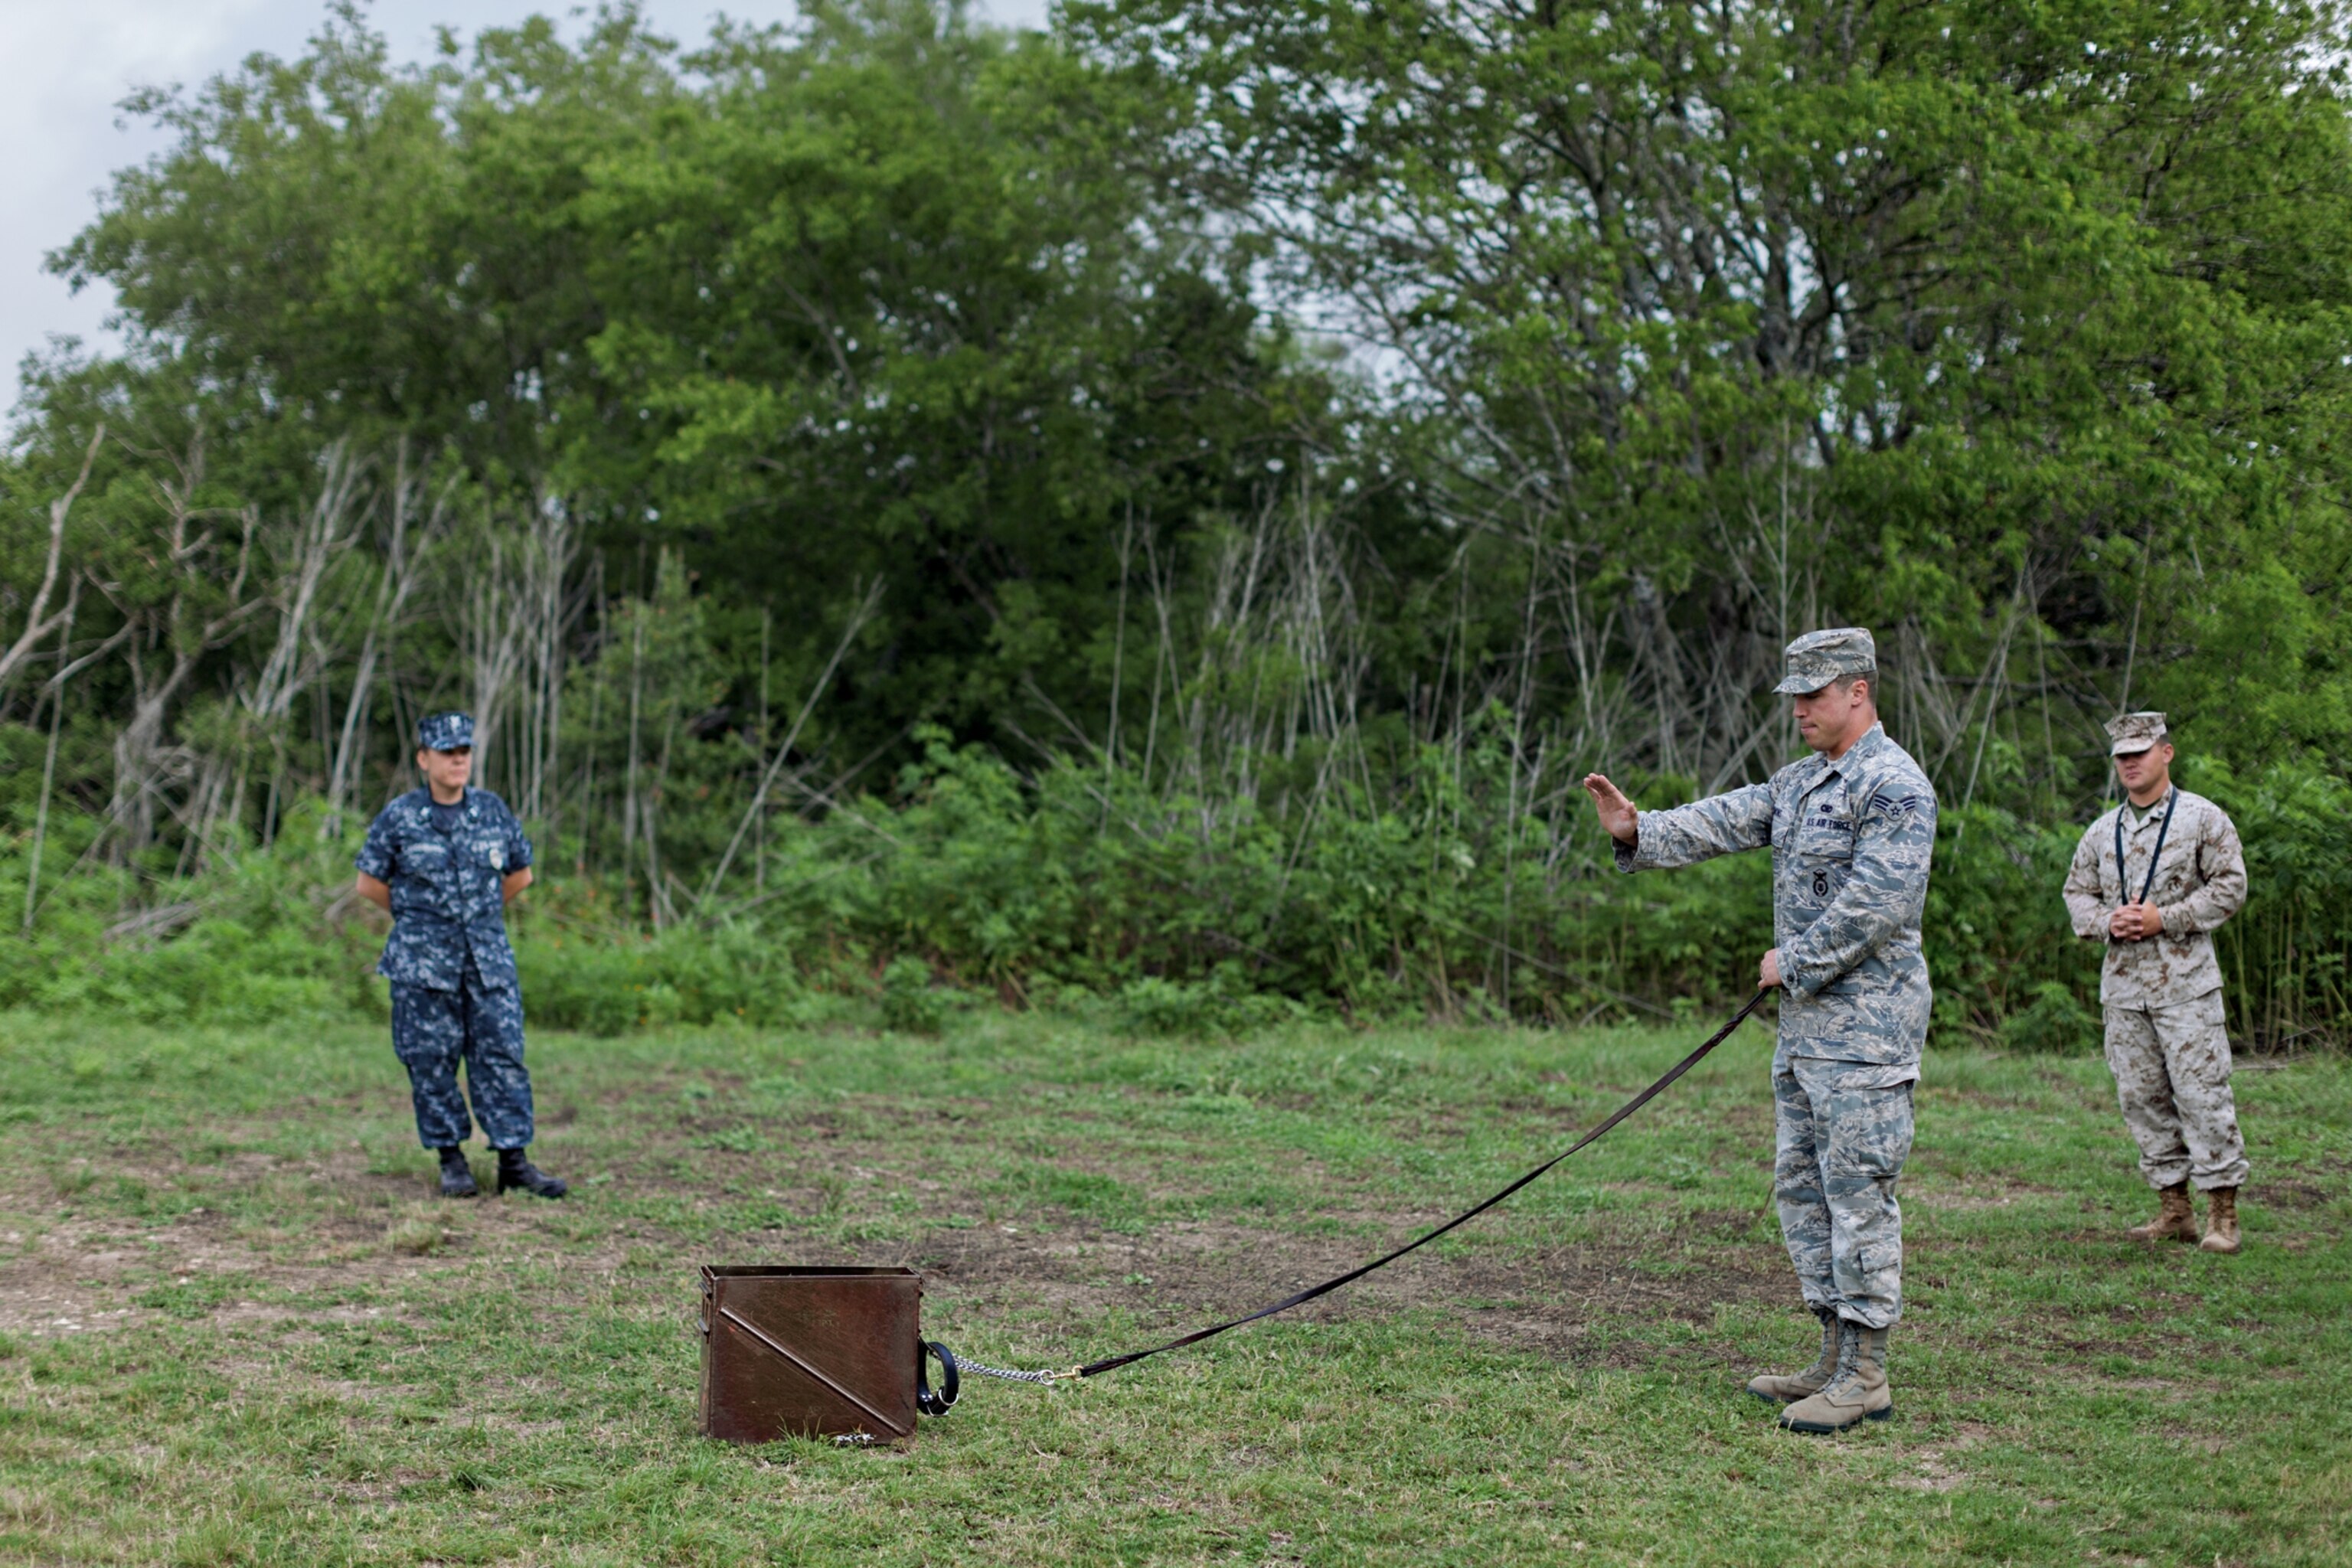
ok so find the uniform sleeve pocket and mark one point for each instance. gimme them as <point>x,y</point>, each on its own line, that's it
<point>1822,872</point>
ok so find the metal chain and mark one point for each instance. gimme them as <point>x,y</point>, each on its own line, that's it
<point>1010,1376</point>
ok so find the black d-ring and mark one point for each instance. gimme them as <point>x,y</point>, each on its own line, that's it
<point>950,1384</point>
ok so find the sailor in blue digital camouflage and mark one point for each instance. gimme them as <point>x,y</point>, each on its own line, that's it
<point>2151,880</point>
<point>444,860</point>
<point>1852,829</point>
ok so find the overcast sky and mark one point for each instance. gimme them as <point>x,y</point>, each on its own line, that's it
<point>74,59</point>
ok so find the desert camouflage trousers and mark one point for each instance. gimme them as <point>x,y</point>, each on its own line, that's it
<point>2172,1079</point>
<point>433,1031</point>
<point>1842,1131</point>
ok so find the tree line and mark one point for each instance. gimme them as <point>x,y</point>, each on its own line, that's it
<point>1288,444</point>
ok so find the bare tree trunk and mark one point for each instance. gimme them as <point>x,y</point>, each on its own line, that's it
<point>636,708</point>
<point>864,613</point>
<point>404,555</point>
<point>760,844</point>
<point>38,623</point>
<point>326,530</point>
<point>491,633</point>
<point>556,610</point>
<point>1119,647</point>
<point>143,762</point>
<point>663,915</point>
<point>511,621</point>
<point>1994,686</point>
<point>49,762</point>
<point>548,612</point>
<point>590,815</point>
<point>265,704</point>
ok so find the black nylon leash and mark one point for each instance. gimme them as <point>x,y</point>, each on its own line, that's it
<point>939,1402</point>
<point>1111,1363</point>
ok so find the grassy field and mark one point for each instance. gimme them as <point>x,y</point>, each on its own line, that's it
<point>238,1330</point>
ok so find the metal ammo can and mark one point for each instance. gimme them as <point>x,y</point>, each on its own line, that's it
<point>809,1352</point>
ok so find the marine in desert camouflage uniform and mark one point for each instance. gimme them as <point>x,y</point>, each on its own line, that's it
<point>2160,985</point>
<point>1852,829</point>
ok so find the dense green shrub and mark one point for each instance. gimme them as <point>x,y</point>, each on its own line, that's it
<point>909,1000</point>
<point>1189,918</point>
<point>611,984</point>
<point>269,935</point>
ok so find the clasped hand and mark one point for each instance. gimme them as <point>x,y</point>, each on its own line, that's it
<point>2135,922</point>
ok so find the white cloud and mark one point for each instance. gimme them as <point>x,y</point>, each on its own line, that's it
<point>71,61</point>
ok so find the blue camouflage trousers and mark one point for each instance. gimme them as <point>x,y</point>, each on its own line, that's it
<point>1842,1131</point>
<point>431,1031</point>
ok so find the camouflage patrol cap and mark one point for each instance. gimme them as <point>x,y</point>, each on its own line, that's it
<point>1818,657</point>
<point>2134,732</point>
<point>445,732</point>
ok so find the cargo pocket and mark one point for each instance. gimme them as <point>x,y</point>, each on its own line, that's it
<point>1877,1257</point>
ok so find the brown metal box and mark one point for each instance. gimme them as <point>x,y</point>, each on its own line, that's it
<point>809,1352</point>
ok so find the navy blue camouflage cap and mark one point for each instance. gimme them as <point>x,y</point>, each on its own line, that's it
<point>1818,657</point>
<point>445,732</point>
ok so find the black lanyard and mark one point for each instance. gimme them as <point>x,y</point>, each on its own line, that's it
<point>1111,1363</point>
<point>2122,878</point>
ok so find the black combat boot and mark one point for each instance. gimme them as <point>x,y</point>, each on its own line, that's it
<point>456,1176</point>
<point>516,1172</point>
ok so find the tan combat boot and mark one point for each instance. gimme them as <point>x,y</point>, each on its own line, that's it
<point>2221,1225</point>
<point>2176,1221</point>
<point>1857,1394</point>
<point>1779,1388</point>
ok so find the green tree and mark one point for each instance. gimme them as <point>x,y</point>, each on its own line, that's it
<point>1996,329</point>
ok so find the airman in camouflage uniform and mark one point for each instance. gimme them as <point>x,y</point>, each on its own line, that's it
<point>445,859</point>
<point>2152,879</point>
<point>1852,829</point>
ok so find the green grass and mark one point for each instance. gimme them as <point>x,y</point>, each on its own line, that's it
<point>236,1328</point>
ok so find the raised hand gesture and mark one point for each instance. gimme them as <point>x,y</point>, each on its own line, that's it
<point>1617,814</point>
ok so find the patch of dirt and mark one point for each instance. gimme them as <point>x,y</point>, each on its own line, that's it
<point>2203,1442</point>
<point>80,1275</point>
<point>2151,1310</point>
<point>1929,1473</point>
<point>2291,1195</point>
<point>1720,1225</point>
<point>2173,1387</point>
<point>345,1312</point>
<point>38,1307</point>
<point>83,1280</point>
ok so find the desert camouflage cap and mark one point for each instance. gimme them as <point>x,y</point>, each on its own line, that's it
<point>2135,732</point>
<point>445,732</point>
<point>1818,657</point>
